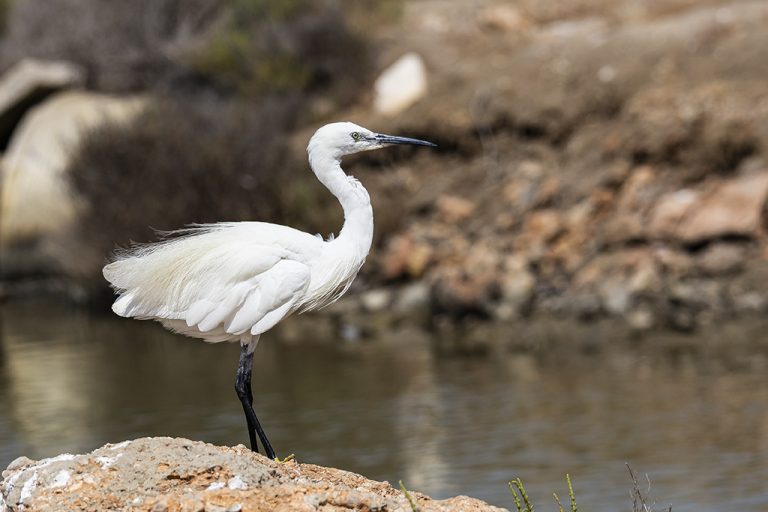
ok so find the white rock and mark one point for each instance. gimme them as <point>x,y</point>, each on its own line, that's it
<point>61,479</point>
<point>400,85</point>
<point>28,82</point>
<point>36,200</point>
<point>27,489</point>
<point>376,300</point>
<point>236,483</point>
<point>106,462</point>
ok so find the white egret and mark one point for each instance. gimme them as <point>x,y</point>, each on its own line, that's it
<point>233,281</point>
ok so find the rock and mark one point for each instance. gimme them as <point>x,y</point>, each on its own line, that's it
<point>640,319</point>
<point>637,193</point>
<point>732,207</point>
<point>469,285</point>
<point>517,285</point>
<point>28,82</point>
<point>546,193</point>
<point>674,263</point>
<point>174,475</point>
<point>452,209</point>
<point>503,17</point>
<point>622,228</point>
<point>540,228</point>
<point>400,85</point>
<point>405,256</point>
<point>36,200</point>
<point>544,225</point>
<point>376,300</point>
<point>669,212</point>
<point>721,259</point>
<point>411,298</point>
<point>620,279</point>
<point>697,294</point>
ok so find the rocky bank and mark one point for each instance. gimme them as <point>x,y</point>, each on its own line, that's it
<point>174,475</point>
<point>598,159</point>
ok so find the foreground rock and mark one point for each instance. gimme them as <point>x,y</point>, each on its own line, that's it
<point>164,474</point>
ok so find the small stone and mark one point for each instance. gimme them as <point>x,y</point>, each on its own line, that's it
<point>452,209</point>
<point>412,297</point>
<point>405,256</point>
<point>640,319</point>
<point>669,211</point>
<point>374,301</point>
<point>543,225</point>
<point>236,483</point>
<point>504,18</point>
<point>400,85</point>
<point>622,228</point>
<point>418,260</point>
<point>721,259</point>
<point>517,287</point>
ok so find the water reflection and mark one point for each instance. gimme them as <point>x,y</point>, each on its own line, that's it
<point>71,382</point>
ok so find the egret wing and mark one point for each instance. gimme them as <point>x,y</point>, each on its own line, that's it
<point>222,282</point>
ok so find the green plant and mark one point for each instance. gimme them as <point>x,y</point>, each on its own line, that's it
<point>574,507</point>
<point>639,500</point>
<point>408,496</point>
<point>524,505</point>
<point>268,46</point>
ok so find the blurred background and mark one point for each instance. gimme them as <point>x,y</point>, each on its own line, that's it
<point>575,279</point>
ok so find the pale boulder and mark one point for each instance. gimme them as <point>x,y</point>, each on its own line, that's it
<point>28,82</point>
<point>36,200</point>
<point>400,85</point>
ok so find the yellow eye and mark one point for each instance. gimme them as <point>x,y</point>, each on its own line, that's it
<point>356,136</point>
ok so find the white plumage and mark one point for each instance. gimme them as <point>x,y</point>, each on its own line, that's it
<point>234,281</point>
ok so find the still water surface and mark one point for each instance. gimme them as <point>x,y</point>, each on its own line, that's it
<point>70,382</point>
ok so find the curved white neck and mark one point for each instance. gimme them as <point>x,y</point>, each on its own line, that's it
<point>354,199</point>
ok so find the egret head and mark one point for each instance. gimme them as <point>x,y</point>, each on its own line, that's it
<point>347,138</point>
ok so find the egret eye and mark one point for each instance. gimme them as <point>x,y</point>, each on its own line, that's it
<point>356,136</point>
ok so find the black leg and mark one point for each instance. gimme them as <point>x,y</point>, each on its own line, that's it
<point>244,393</point>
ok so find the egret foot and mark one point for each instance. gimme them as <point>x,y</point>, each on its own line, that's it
<point>289,458</point>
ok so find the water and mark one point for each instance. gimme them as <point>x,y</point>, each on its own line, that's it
<point>70,382</point>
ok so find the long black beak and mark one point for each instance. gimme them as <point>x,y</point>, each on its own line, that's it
<point>391,139</point>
